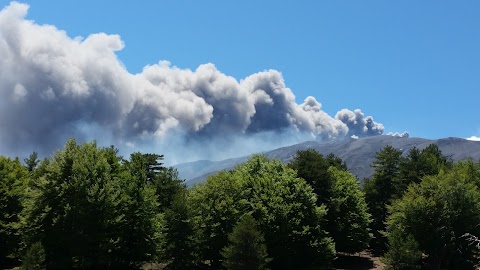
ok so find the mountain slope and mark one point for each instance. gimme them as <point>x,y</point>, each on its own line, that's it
<point>358,154</point>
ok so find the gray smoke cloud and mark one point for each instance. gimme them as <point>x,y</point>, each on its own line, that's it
<point>358,124</point>
<point>53,87</point>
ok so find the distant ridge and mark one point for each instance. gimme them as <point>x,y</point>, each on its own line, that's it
<point>358,154</point>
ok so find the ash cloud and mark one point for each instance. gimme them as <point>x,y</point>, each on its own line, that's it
<point>358,124</point>
<point>53,87</point>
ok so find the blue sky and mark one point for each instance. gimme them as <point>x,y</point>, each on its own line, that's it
<point>413,65</point>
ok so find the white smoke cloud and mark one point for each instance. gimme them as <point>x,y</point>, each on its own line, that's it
<point>404,134</point>
<point>474,138</point>
<point>53,87</point>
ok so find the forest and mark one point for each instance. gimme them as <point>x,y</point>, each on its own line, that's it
<point>87,207</point>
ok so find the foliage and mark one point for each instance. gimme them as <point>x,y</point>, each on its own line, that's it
<point>247,250</point>
<point>216,207</point>
<point>141,221</point>
<point>393,174</point>
<point>403,252</point>
<point>89,208</point>
<point>34,258</point>
<point>287,213</point>
<point>32,161</point>
<point>72,210</point>
<point>347,216</point>
<point>380,190</point>
<point>180,238</point>
<point>283,205</point>
<point>13,182</point>
<point>313,167</point>
<point>90,211</point>
<point>437,213</point>
<point>167,184</point>
<point>349,212</point>
<point>417,164</point>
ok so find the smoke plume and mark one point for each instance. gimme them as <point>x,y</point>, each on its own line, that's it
<point>53,87</point>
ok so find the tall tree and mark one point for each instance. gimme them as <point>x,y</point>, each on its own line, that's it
<point>347,216</point>
<point>284,206</point>
<point>32,161</point>
<point>179,232</point>
<point>380,190</point>
<point>72,208</point>
<point>247,249</point>
<point>34,258</point>
<point>216,205</point>
<point>13,182</point>
<point>90,211</point>
<point>313,167</point>
<point>417,164</point>
<point>349,210</point>
<point>287,213</point>
<point>167,185</point>
<point>142,221</point>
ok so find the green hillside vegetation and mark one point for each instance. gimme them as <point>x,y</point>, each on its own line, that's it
<point>87,207</point>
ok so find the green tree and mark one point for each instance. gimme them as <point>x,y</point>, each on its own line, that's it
<point>72,209</point>
<point>180,238</point>
<point>313,167</point>
<point>32,161</point>
<point>380,190</point>
<point>13,182</point>
<point>34,258</point>
<point>142,220</point>
<point>468,170</point>
<point>247,249</point>
<point>347,216</point>
<point>167,185</point>
<point>283,205</point>
<point>336,162</point>
<point>216,207</point>
<point>89,209</point>
<point>435,160</point>
<point>164,179</point>
<point>285,208</point>
<point>403,252</point>
<point>438,213</point>
<point>350,213</point>
<point>417,164</point>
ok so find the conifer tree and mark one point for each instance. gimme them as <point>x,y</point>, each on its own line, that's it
<point>246,249</point>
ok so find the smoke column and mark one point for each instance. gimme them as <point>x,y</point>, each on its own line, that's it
<point>53,87</point>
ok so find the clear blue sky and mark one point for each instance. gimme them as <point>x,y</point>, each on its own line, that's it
<point>412,65</point>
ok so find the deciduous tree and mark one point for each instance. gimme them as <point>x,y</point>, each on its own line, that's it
<point>438,213</point>
<point>13,182</point>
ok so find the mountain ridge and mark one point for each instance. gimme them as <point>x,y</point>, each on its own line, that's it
<point>358,154</point>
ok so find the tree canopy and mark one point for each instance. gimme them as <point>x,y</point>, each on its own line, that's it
<point>13,183</point>
<point>437,214</point>
<point>246,249</point>
<point>90,208</point>
<point>347,218</point>
<point>87,207</point>
<point>283,205</point>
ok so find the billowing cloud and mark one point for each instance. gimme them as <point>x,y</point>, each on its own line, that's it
<point>53,87</point>
<point>404,134</point>
<point>474,138</point>
<point>358,124</point>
